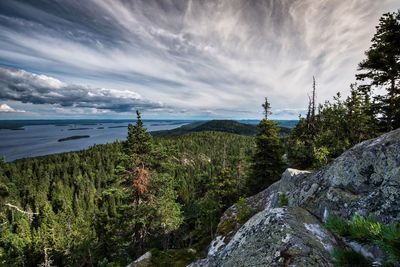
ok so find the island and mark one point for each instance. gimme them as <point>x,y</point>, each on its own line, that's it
<point>74,137</point>
<point>78,129</point>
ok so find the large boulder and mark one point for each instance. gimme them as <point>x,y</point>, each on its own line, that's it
<point>364,180</point>
<point>276,237</point>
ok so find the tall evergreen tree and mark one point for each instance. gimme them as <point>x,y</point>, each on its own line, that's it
<point>267,161</point>
<point>152,206</point>
<point>139,142</point>
<point>382,69</point>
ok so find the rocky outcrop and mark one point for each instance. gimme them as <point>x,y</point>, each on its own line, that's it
<point>276,237</point>
<point>364,180</point>
<point>142,261</point>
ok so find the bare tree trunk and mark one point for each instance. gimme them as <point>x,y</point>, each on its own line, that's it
<point>390,114</point>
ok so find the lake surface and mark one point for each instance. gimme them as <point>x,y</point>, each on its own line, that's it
<point>30,139</point>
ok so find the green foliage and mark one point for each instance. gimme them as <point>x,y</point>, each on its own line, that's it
<point>339,125</point>
<point>138,145</point>
<point>337,225</point>
<point>348,258</point>
<point>389,242</point>
<point>369,231</point>
<point>226,126</point>
<point>358,228</point>
<point>84,210</point>
<point>283,200</point>
<point>226,226</point>
<point>173,257</point>
<point>268,164</point>
<point>243,213</point>
<point>180,257</point>
<point>244,210</point>
<point>364,230</point>
<point>382,69</point>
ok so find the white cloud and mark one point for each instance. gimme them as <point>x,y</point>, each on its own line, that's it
<point>4,108</point>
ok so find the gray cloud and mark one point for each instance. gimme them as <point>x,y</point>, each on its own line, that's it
<point>215,55</point>
<point>19,85</point>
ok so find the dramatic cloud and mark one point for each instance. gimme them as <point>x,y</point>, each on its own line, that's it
<point>4,108</point>
<point>212,58</point>
<point>19,85</point>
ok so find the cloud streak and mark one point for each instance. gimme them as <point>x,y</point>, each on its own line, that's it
<point>212,55</point>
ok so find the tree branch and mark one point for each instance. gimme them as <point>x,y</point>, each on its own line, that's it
<point>20,210</point>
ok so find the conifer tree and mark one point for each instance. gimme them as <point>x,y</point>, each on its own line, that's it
<point>139,142</point>
<point>360,122</point>
<point>151,195</point>
<point>267,161</point>
<point>382,69</point>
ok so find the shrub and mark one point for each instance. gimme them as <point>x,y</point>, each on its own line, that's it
<point>283,200</point>
<point>348,258</point>
<point>226,227</point>
<point>390,242</point>
<point>368,231</point>
<point>321,156</point>
<point>338,226</point>
<point>364,230</point>
<point>244,211</point>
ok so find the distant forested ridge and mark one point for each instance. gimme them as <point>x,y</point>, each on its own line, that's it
<point>74,137</point>
<point>228,126</point>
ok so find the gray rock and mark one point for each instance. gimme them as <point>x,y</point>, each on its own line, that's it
<point>364,180</point>
<point>142,261</point>
<point>276,237</point>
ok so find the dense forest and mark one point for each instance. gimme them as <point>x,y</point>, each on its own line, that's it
<point>226,126</point>
<point>109,204</point>
<point>72,208</point>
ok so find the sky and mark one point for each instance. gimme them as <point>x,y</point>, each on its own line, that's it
<point>178,59</point>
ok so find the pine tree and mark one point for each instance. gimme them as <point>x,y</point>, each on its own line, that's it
<point>267,161</point>
<point>382,69</point>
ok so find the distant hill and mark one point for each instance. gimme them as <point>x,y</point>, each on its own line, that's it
<point>229,126</point>
<point>282,123</point>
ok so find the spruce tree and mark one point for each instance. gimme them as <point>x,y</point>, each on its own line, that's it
<point>382,69</point>
<point>267,161</point>
<point>139,142</point>
<point>151,196</point>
